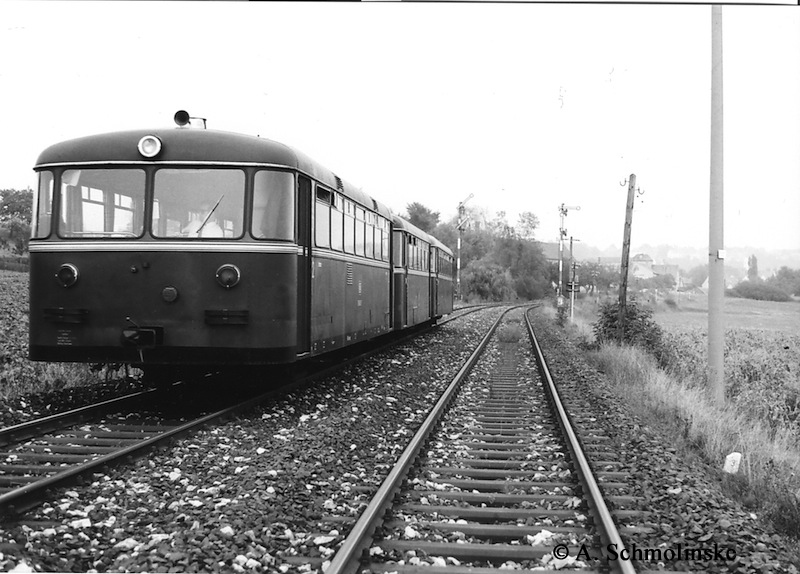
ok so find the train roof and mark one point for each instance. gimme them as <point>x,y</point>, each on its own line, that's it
<point>201,146</point>
<point>441,245</point>
<point>404,225</point>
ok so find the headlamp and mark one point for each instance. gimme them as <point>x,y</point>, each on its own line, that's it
<point>228,275</point>
<point>149,146</point>
<point>67,275</point>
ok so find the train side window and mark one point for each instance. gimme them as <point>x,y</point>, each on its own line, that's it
<point>360,230</point>
<point>322,218</point>
<point>434,260</point>
<point>371,243</point>
<point>385,240</point>
<point>336,222</point>
<point>349,226</point>
<point>273,205</point>
<point>376,236</point>
<point>43,206</point>
<point>98,203</point>
<point>398,248</point>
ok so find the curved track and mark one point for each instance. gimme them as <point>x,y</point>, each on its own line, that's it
<point>495,476</point>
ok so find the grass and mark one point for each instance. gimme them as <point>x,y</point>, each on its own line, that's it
<point>761,417</point>
<point>691,310</point>
<point>770,473</point>
<point>510,332</point>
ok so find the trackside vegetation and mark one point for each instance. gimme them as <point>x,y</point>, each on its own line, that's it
<point>661,373</point>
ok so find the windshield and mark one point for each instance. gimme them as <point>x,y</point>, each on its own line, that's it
<point>200,203</point>
<point>43,206</point>
<point>101,203</point>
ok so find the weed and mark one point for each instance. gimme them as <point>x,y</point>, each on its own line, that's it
<point>770,473</point>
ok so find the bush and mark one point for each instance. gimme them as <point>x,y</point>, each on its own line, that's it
<point>487,281</point>
<point>758,290</point>
<point>641,330</point>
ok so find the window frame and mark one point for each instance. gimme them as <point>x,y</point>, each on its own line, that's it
<point>320,201</point>
<point>245,205</point>
<point>251,209</point>
<point>72,205</point>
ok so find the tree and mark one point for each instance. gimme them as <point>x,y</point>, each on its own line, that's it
<point>16,204</point>
<point>594,277</point>
<point>787,280</point>
<point>527,224</point>
<point>487,281</point>
<point>526,264</point>
<point>665,282</point>
<point>758,290</point>
<point>15,235</point>
<point>498,261</point>
<point>422,217</point>
<point>697,275</point>
<point>752,268</point>
<point>16,208</point>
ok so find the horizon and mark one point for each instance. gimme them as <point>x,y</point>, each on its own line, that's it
<point>523,106</point>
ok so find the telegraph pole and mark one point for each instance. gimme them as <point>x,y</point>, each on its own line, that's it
<point>716,249</point>
<point>626,251</point>
<point>462,222</point>
<point>574,282</point>
<point>562,233</point>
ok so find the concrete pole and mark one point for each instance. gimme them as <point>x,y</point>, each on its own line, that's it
<point>716,248</point>
<point>562,211</point>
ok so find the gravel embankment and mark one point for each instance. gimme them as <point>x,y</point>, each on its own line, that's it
<point>246,496</point>
<point>685,505</point>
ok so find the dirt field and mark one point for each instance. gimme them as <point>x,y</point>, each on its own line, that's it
<point>692,311</point>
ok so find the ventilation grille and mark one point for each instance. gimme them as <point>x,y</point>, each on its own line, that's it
<point>339,183</point>
<point>349,273</point>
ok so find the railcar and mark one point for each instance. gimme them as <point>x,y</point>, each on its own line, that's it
<point>188,246</point>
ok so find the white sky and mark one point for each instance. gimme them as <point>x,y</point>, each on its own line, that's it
<point>525,106</point>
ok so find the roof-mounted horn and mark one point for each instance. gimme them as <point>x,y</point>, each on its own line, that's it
<point>183,119</point>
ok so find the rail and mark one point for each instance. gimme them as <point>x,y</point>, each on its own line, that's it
<point>348,555</point>
<point>608,529</point>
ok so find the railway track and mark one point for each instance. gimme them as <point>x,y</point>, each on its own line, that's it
<point>39,456</point>
<point>495,476</point>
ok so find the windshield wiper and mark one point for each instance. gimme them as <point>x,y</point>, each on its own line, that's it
<point>216,205</point>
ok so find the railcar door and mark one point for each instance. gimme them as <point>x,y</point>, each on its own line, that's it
<point>434,282</point>
<point>400,273</point>
<point>304,265</point>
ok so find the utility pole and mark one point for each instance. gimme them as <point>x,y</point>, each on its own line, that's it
<point>716,249</point>
<point>462,222</point>
<point>562,233</point>
<point>626,252</point>
<point>574,282</point>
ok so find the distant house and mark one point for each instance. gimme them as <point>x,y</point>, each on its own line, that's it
<point>641,266</point>
<point>550,251</point>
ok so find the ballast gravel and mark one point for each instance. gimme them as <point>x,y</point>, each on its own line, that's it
<point>250,495</point>
<point>687,515</point>
<point>247,496</point>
